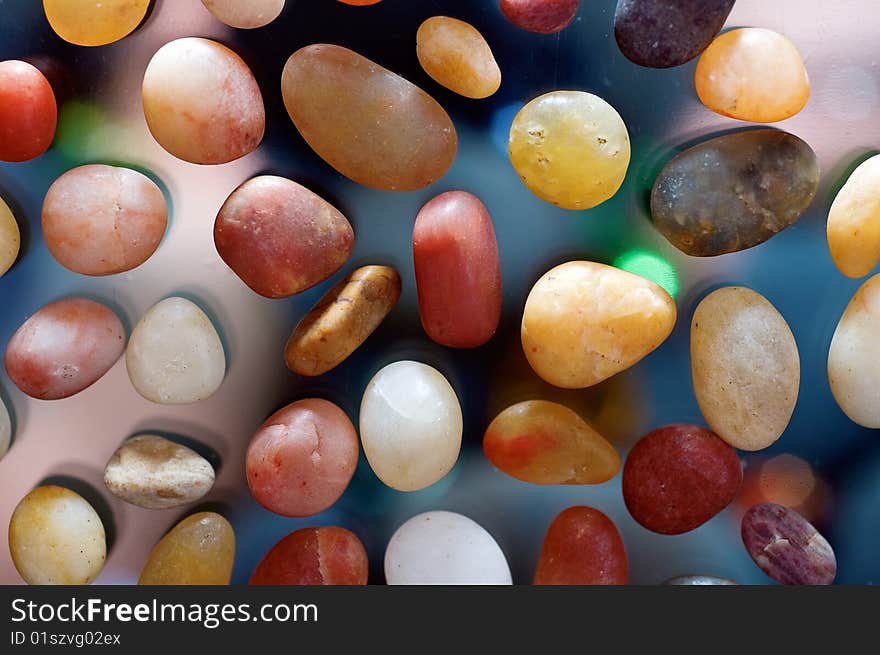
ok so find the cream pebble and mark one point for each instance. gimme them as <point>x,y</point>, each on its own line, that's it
<point>245,14</point>
<point>10,238</point>
<point>854,221</point>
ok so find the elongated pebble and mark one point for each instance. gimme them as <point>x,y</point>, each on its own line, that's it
<point>854,221</point>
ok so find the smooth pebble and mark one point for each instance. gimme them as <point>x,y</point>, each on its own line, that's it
<point>456,55</point>
<point>698,581</point>
<point>854,221</point>
<point>541,16</point>
<point>245,14</point>
<point>314,556</point>
<point>199,550</point>
<point>10,238</point>
<point>95,23</point>
<point>28,112</point>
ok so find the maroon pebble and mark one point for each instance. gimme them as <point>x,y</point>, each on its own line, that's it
<point>541,16</point>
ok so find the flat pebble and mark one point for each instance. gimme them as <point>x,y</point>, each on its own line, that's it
<point>458,270</point>
<point>854,221</point>
<point>698,581</point>
<point>456,55</point>
<point>342,320</point>
<point>734,191</point>
<point>787,547</point>
<point>678,477</point>
<point>56,538</point>
<point>175,355</point>
<point>582,547</point>
<point>156,473</point>
<point>245,14</point>
<point>584,322</point>
<point>339,102</point>
<point>10,238</point>
<point>314,556</point>
<point>444,548</point>
<point>280,238</point>
<point>5,428</point>
<point>664,33</point>
<point>570,148</point>
<point>753,74</point>
<point>199,550</point>
<point>102,220</point>
<point>854,357</point>
<point>28,113</point>
<point>541,16</point>
<point>411,425</point>
<point>202,103</point>
<point>95,23</point>
<point>63,348</point>
<point>745,366</point>
<point>300,461</point>
<point>543,442</point>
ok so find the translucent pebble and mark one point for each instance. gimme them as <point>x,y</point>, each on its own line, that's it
<point>456,55</point>
<point>314,556</point>
<point>28,113</point>
<point>245,14</point>
<point>10,238</point>
<point>854,221</point>
<point>541,16</point>
<point>95,23</point>
<point>200,550</point>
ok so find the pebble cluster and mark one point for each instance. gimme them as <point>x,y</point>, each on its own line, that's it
<point>583,321</point>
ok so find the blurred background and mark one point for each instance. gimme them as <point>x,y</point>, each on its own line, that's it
<point>824,465</point>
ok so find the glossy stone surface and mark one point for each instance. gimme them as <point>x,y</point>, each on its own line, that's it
<point>665,33</point>
<point>854,221</point>
<point>456,55</point>
<point>200,550</point>
<point>745,366</point>
<point>369,124</point>
<point>541,16</point>
<point>314,556</point>
<point>156,473</point>
<point>458,270</point>
<point>10,238</point>
<point>279,237</point>
<point>854,357</point>
<point>444,548</point>
<point>300,461</point>
<point>102,220</point>
<point>678,477</point>
<point>202,103</point>
<point>570,148</point>
<point>787,547</point>
<point>28,113</point>
<point>5,428</point>
<point>174,355</point>
<point>94,23</point>
<point>410,425</point>
<point>342,320</point>
<point>245,14</point>
<point>63,348</point>
<point>753,74</point>
<point>698,581</point>
<point>56,538</point>
<point>543,442</point>
<point>734,191</point>
<point>571,348</point>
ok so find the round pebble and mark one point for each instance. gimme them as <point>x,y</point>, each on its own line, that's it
<point>245,14</point>
<point>314,556</point>
<point>456,55</point>
<point>10,238</point>
<point>28,113</point>
<point>541,16</point>
<point>95,23</point>
<point>854,221</point>
<point>200,550</point>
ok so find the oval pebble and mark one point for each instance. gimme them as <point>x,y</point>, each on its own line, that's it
<point>10,238</point>
<point>103,220</point>
<point>571,348</point>
<point>678,477</point>
<point>787,547</point>
<point>339,102</point>
<point>56,538</point>
<point>5,428</point>
<point>314,556</point>
<point>734,192</point>
<point>456,55</point>
<point>444,548</point>
<point>28,113</point>
<point>664,33</point>
<point>698,581</point>
<point>280,238</point>
<point>411,425</point>
<point>541,16</point>
<point>458,270</point>
<point>202,103</point>
<point>63,348</point>
<point>342,320</point>
<point>570,148</point>
<point>95,23</point>
<point>745,366</point>
<point>245,14</point>
<point>854,221</point>
<point>853,370</point>
<point>156,473</point>
<point>752,74</point>
<point>542,442</point>
<point>174,355</point>
<point>582,547</point>
<point>300,461</point>
<point>199,550</point>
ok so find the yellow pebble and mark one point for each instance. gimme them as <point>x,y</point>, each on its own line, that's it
<point>94,22</point>
<point>456,55</point>
<point>854,221</point>
<point>10,238</point>
<point>200,550</point>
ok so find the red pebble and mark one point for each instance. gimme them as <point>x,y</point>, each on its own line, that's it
<point>314,556</point>
<point>458,270</point>
<point>678,477</point>
<point>541,16</point>
<point>28,113</point>
<point>582,547</point>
